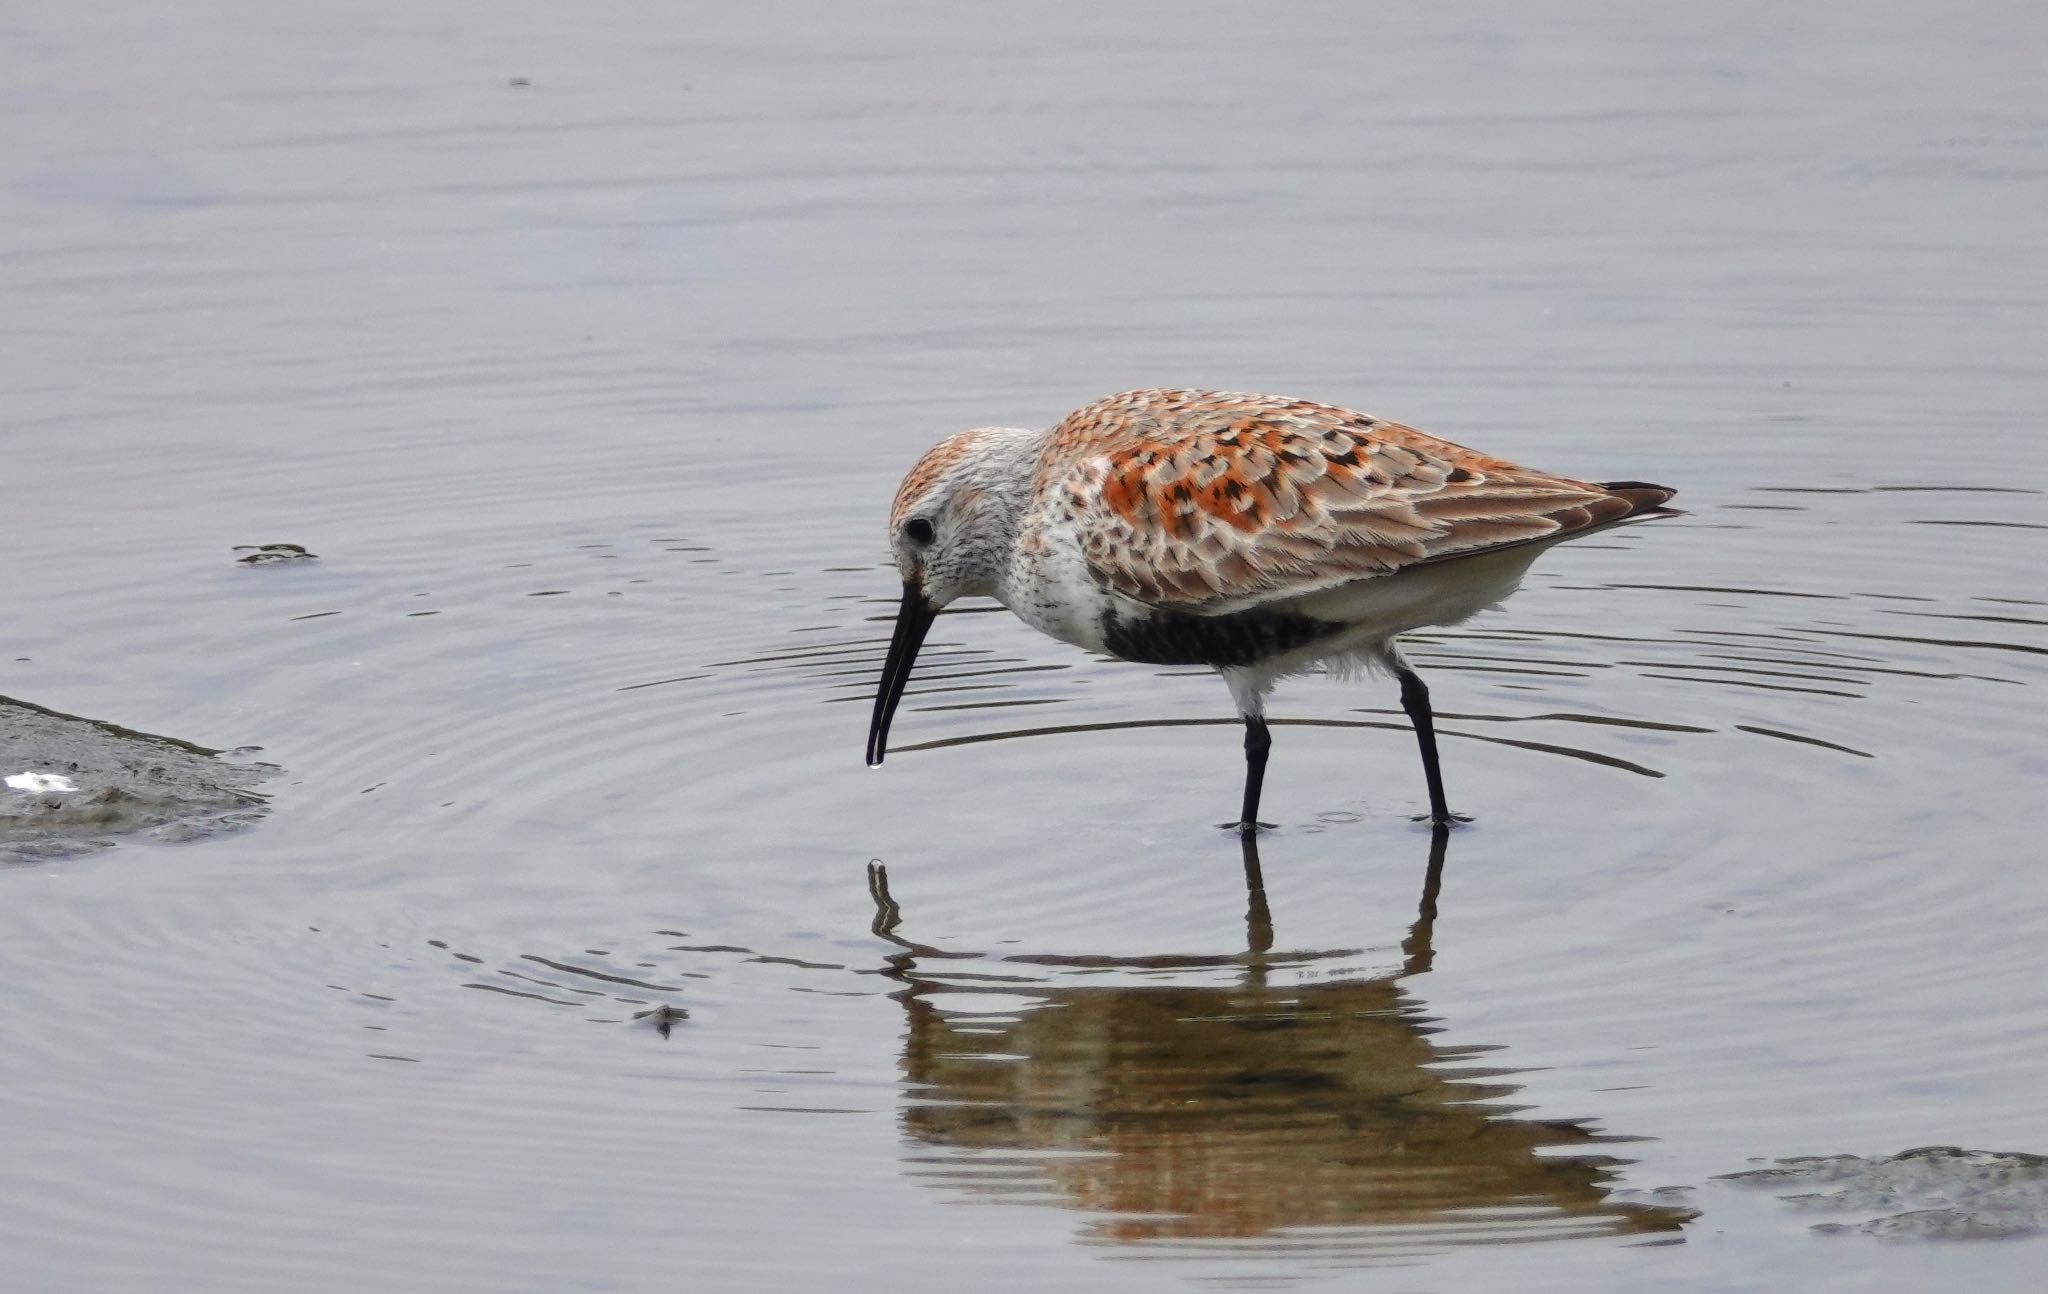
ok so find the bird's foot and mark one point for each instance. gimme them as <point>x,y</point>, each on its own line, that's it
<point>1443,819</point>
<point>1249,828</point>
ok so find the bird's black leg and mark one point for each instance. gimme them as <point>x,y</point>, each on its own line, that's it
<point>1257,742</point>
<point>1415,700</point>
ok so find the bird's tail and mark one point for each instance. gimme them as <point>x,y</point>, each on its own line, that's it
<point>1641,495</point>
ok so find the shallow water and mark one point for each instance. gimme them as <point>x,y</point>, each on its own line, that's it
<point>554,962</point>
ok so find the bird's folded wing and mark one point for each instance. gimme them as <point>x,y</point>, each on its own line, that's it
<point>1209,502</point>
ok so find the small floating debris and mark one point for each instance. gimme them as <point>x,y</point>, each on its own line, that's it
<point>662,1018</point>
<point>41,783</point>
<point>260,554</point>
<point>1927,1193</point>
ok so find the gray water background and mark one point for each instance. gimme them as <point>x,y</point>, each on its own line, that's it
<point>585,348</point>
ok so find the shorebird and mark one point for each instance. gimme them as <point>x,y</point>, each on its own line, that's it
<point>1258,535</point>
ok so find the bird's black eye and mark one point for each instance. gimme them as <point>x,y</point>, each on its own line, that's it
<point>919,531</point>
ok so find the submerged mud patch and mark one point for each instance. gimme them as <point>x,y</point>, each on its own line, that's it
<point>1929,1193</point>
<point>74,785</point>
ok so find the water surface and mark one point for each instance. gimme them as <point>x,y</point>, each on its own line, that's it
<point>585,352</point>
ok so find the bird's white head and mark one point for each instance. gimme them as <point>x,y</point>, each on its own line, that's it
<point>955,517</point>
<point>951,531</point>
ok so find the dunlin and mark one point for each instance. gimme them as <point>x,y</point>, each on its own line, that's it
<point>1257,535</point>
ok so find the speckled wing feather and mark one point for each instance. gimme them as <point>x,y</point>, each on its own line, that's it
<point>1209,501</point>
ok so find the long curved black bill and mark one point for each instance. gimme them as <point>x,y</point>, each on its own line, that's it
<point>913,619</point>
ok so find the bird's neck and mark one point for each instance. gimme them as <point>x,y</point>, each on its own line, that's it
<point>1005,461</point>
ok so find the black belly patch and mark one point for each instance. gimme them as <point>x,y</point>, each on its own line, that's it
<point>1176,638</point>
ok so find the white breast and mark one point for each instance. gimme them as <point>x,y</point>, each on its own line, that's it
<point>1049,586</point>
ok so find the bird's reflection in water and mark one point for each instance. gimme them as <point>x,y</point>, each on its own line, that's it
<point>1316,1117</point>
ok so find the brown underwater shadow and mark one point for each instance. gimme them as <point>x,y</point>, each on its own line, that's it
<point>1247,1120</point>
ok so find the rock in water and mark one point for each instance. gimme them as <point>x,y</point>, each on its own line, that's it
<point>74,785</point>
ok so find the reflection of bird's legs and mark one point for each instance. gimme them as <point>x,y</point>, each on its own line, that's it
<point>1258,919</point>
<point>1417,945</point>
